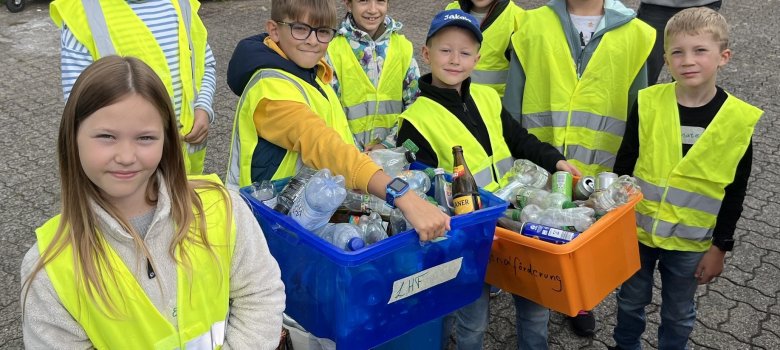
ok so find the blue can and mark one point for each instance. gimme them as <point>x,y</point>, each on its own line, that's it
<point>547,233</point>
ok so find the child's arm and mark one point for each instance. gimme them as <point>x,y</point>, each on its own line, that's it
<point>204,113</point>
<point>256,290</point>
<point>628,153</point>
<point>411,87</point>
<point>46,324</point>
<point>74,58</point>
<point>515,85</point>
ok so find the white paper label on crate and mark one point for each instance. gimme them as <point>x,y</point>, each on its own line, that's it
<point>434,276</point>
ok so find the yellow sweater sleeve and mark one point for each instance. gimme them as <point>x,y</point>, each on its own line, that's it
<point>294,126</point>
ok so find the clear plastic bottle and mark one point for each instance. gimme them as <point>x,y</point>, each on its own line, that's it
<point>418,180</point>
<point>442,191</point>
<point>530,213</point>
<point>345,236</point>
<point>293,189</point>
<point>578,218</point>
<point>364,203</point>
<point>544,199</point>
<point>615,195</point>
<point>394,160</point>
<point>372,228</point>
<point>322,195</point>
<point>264,192</point>
<point>529,174</point>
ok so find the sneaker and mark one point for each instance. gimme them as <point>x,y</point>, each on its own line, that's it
<point>584,324</point>
<point>494,291</point>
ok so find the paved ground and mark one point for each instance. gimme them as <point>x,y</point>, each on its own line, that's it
<point>740,310</point>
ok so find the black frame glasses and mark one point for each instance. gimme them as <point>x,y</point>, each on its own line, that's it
<point>302,31</point>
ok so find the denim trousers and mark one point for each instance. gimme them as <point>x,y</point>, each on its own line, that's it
<point>470,323</point>
<point>657,16</point>
<point>531,321</point>
<point>678,288</point>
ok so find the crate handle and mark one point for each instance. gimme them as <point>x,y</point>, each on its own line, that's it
<point>286,234</point>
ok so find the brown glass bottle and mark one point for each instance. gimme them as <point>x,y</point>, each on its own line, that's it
<point>465,193</point>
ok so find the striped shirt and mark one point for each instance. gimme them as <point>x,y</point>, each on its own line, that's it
<point>161,18</point>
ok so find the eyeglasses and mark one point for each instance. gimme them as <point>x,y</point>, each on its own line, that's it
<point>302,31</point>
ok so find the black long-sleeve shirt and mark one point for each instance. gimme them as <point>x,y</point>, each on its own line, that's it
<point>521,144</point>
<point>731,208</point>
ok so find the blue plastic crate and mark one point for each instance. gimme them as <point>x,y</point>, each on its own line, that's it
<point>365,298</point>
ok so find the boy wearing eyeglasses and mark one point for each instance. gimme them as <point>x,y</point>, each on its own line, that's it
<point>289,116</point>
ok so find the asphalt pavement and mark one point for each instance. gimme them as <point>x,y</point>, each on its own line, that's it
<point>739,310</point>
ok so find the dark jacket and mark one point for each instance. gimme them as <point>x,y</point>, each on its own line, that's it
<point>521,144</point>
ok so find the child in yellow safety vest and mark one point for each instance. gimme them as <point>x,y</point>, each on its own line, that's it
<point>375,73</point>
<point>498,20</point>
<point>689,145</point>
<point>141,257</point>
<point>451,111</point>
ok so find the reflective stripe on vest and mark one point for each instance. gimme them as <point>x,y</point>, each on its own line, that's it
<point>111,27</point>
<point>372,111</point>
<point>482,166</point>
<point>274,84</point>
<point>202,297</point>
<point>584,116</point>
<point>683,195</point>
<point>493,66</point>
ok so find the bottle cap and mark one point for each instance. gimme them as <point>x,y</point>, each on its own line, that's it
<point>430,172</point>
<point>568,205</point>
<point>355,243</point>
<point>409,144</point>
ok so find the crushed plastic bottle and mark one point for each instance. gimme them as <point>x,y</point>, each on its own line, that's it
<point>529,174</point>
<point>364,203</point>
<point>578,218</point>
<point>372,229</point>
<point>542,198</point>
<point>264,192</point>
<point>293,189</point>
<point>418,180</point>
<point>442,191</point>
<point>344,236</point>
<point>395,160</point>
<point>615,195</point>
<point>322,195</point>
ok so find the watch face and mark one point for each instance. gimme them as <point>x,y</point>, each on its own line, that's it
<point>397,185</point>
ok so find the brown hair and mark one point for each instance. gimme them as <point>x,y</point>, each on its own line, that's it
<point>105,82</point>
<point>318,13</point>
<point>695,21</point>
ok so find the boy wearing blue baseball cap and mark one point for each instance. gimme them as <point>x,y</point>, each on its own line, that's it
<point>451,111</point>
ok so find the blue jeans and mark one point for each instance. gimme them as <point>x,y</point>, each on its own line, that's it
<point>531,322</point>
<point>470,322</point>
<point>678,287</point>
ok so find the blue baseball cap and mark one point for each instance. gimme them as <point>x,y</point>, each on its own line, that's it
<point>454,17</point>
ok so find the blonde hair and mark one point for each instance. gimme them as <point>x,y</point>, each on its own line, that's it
<point>105,82</point>
<point>319,13</point>
<point>695,21</point>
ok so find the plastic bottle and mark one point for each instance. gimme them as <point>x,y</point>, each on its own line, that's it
<point>293,189</point>
<point>530,213</point>
<point>372,228</point>
<point>529,174</point>
<point>442,191</point>
<point>418,180</point>
<point>365,202</point>
<point>394,160</point>
<point>544,199</point>
<point>345,236</point>
<point>615,195</point>
<point>264,192</point>
<point>578,218</point>
<point>321,197</point>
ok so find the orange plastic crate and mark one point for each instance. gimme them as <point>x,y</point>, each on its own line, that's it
<point>570,277</point>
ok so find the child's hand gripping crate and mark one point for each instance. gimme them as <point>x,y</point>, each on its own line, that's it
<point>573,276</point>
<point>364,298</point>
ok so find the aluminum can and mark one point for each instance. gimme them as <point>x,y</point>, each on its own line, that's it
<point>604,179</point>
<point>584,188</point>
<point>561,183</point>
<point>547,233</point>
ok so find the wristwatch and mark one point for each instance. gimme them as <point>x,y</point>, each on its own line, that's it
<point>395,189</point>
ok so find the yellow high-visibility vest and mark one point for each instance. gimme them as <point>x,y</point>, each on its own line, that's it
<point>427,116</point>
<point>202,296</point>
<point>584,117</point>
<point>372,111</point>
<point>123,33</point>
<point>683,195</point>
<point>276,84</point>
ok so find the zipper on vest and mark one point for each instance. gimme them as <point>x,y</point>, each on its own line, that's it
<point>150,269</point>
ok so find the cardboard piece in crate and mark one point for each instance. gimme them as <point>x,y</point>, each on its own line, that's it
<point>569,277</point>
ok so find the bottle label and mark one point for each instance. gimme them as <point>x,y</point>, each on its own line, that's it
<point>523,196</point>
<point>457,172</point>
<point>466,204</point>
